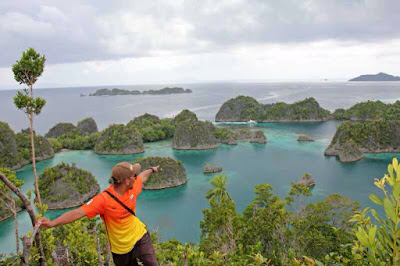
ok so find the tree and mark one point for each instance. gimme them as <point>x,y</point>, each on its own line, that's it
<point>26,71</point>
<point>7,199</point>
<point>221,221</point>
<point>380,242</point>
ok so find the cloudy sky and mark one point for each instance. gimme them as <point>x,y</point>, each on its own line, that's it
<point>102,42</point>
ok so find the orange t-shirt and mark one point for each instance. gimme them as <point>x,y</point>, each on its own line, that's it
<point>123,229</point>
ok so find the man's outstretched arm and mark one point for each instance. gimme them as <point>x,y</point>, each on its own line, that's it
<point>145,174</point>
<point>66,218</point>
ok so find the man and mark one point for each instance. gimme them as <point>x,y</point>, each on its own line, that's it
<point>128,236</point>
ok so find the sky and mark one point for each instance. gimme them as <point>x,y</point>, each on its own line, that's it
<point>102,42</point>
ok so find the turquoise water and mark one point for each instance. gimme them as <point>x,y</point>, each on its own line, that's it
<point>176,212</point>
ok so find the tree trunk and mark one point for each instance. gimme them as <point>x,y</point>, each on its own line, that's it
<point>110,257</point>
<point>100,261</point>
<point>14,212</point>
<point>34,161</point>
<point>30,211</point>
<point>25,251</point>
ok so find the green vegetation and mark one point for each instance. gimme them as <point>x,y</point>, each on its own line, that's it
<point>43,147</point>
<point>119,139</point>
<point>60,129</point>
<point>8,147</point>
<point>270,231</point>
<point>68,136</point>
<point>369,110</point>
<point>115,91</point>
<point>244,108</point>
<point>370,135</point>
<point>75,140</point>
<point>171,172</point>
<point>87,126</point>
<point>223,134</point>
<point>151,128</point>
<point>194,135</point>
<point>65,181</point>
<point>183,116</point>
<point>307,109</point>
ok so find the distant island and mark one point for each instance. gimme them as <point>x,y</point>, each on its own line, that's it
<point>378,77</point>
<point>115,91</point>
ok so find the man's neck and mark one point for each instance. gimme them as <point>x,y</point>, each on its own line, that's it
<point>120,190</point>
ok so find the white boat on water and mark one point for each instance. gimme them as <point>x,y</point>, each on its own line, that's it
<point>251,122</point>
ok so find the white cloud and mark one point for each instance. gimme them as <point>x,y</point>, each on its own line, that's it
<point>18,23</point>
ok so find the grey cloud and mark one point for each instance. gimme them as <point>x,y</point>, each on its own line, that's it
<point>75,31</point>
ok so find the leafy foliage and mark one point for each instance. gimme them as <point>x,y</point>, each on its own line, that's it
<point>270,231</point>
<point>8,147</point>
<point>119,138</point>
<point>43,148</point>
<point>170,174</point>
<point>151,128</point>
<point>65,181</point>
<point>29,68</point>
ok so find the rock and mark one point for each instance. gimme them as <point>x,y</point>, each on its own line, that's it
<point>184,116</point>
<point>258,137</point>
<point>209,168</point>
<point>368,137</point>
<point>119,139</point>
<point>239,109</point>
<point>60,129</point>
<point>243,109</point>
<point>243,134</point>
<point>307,180</point>
<point>193,135</point>
<point>225,136</point>
<point>87,126</point>
<point>171,173</point>
<point>66,186</point>
<point>350,153</point>
<point>8,147</point>
<point>305,138</point>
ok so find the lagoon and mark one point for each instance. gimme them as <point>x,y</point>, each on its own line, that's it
<point>176,212</point>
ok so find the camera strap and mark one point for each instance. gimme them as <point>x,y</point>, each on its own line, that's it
<point>123,205</point>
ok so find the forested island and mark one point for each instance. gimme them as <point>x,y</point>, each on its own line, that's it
<point>376,77</point>
<point>245,108</point>
<point>115,91</point>
<point>352,140</point>
<point>171,173</point>
<point>65,186</point>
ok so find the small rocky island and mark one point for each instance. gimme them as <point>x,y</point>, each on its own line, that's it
<point>376,77</point>
<point>115,91</point>
<point>192,134</point>
<point>66,186</point>
<point>245,108</point>
<point>305,138</point>
<point>258,137</point>
<point>353,139</point>
<point>119,139</point>
<point>171,173</point>
<point>209,168</point>
<point>307,180</point>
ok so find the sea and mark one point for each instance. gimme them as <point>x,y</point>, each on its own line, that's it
<point>177,212</point>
